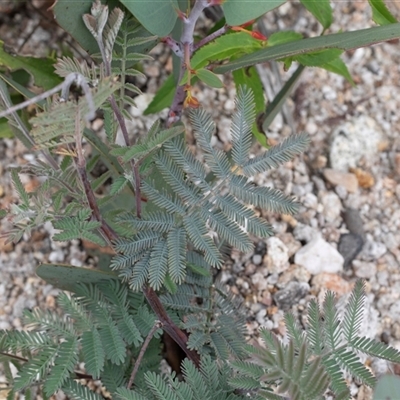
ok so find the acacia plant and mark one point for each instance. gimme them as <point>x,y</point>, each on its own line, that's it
<point>167,215</point>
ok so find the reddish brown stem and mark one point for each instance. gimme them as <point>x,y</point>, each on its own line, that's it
<point>169,326</point>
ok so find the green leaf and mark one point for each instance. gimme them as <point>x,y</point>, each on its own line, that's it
<point>337,66</point>
<point>283,37</point>
<point>209,78</point>
<point>275,106</point>
<point>163,97</point>
<point>21,89</point>
<point>238,12</point>
<point>344,41</point>
<point>388,387</point>
<point>41,69</point>
<point>158,17</point>
<point>321,10</point>
<point>222,48</point>
<point>318,58</point>
<point>67,277</point>
<point>380,13</point>
<point>69,16</point>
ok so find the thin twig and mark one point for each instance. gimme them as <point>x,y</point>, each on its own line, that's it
<point>211,37</point>
<point>74,77</point>
<point>186,39</point>
<point>157,325</point>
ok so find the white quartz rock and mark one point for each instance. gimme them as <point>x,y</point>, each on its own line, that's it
<point>319,256</point>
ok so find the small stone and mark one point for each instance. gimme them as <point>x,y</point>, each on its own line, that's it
<point>373,250</point>
<point>350,245</point>
<point>265,298</point>
<point>310,200</point>
<point>338,178</point>
<point>364,178</point>
<point>259,282</point>
<point>304,232</point>
<point>291,294</point>
<point>5,246</point>
<point>363,269</point>
<point>332,206</point>
<point>292,221</point>
<point>354,140</point>
<point>353,221</point>
<point>250,269</point>
<point>319,256</point>
<point>290,242</point>
<point>277,255</point>
<point>260,316</point>
<point>257,259</point>
<point>333,282</point>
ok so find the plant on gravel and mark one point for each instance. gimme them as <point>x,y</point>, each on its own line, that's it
<point>168,214</point>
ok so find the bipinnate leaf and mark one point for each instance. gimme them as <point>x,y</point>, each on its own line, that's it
<point>277,155</point>
<point>321,10</point>
<point>93,353</point>
<point>64,364</point>
<point>380,13</point>
<point>250,78</point>
<point>242,122</point>
<point>76,391</point>
<point>354,312</point>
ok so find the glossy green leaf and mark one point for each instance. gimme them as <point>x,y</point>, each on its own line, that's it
<point>41,69</point>
<point>337,66</point>
<point>158,17</point>
<point>237,12</point>
<point>209,78</point>
<point>318,58</point>
<point>380,13</point>
<point>250,78</point>
<point>321,10</point>
<point>343,41</point>
<point>66,277</point>
<point>283,37</point>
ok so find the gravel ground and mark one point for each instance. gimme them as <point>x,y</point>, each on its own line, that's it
<point>348,183</point>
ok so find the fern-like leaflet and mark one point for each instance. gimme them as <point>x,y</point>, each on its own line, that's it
<point>199,204</point>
